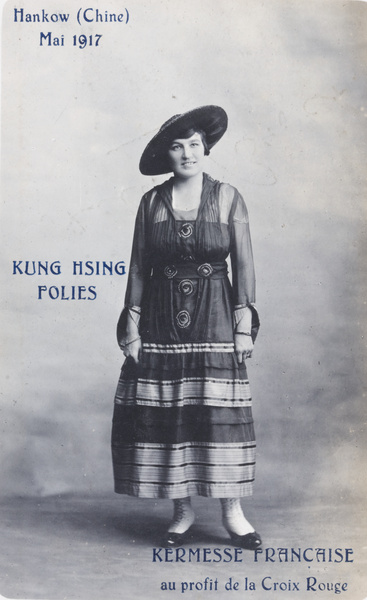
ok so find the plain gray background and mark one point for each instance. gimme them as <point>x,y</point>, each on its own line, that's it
<point>292,78</point>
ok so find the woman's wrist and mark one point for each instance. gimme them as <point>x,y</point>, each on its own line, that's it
<point>127,343</point>
<point>242,320</point>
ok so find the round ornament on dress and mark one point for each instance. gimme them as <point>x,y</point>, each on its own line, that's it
<point>186,287</point>
<point>186,230</point>
<point>183,319</point>
<point>205,270</point>
<point>170,271</point>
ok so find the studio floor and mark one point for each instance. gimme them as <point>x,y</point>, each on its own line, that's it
<point>73,547</point>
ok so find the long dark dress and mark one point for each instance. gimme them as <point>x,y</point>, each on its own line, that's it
<point>182,422</point>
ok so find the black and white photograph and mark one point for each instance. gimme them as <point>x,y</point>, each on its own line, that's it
<point>183,300</point>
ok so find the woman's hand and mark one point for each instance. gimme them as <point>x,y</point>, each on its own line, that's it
<point>243,346</point>
<point>133,349</point>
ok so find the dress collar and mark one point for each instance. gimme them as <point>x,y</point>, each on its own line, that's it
<point>165,192</point>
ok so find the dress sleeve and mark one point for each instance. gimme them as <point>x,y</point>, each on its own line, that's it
<point>243,272</point>
<point>139,263</point>
<point>128,323</point>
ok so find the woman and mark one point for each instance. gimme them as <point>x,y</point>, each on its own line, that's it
<point>182,422</point>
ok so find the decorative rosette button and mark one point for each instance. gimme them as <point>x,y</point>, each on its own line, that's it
<point>170,271</point>
<point>205,270</point>
<point>186,287</point>
<point>186,230</point>
<point>183,319</point>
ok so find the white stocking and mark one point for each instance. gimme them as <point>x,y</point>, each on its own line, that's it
<point>233,518</point>
<point>183,516</point>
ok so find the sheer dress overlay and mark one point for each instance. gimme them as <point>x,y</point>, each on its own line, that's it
<point>182,421</point>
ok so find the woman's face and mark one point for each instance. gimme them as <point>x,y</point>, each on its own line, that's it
<point>186,156</point>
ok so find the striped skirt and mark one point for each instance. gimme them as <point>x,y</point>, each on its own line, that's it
<point>182,424</point>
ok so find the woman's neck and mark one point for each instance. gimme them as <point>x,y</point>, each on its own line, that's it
<point>186,193</point>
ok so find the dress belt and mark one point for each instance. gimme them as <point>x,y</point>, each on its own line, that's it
<point>191,270</point>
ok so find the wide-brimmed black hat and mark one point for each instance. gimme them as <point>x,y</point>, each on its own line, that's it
<point>212,120</point>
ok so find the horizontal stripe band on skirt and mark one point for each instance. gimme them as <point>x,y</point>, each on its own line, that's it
<point>184,391</point>
<point>183,427</point>
<point>219,470</point>
<point>188,348</point>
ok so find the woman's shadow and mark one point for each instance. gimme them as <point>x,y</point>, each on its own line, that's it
<point>126,521</point>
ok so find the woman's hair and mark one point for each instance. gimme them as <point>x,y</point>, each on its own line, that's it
<point>188,132</point>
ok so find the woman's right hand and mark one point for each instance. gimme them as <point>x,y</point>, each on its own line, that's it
<point>134,350</point>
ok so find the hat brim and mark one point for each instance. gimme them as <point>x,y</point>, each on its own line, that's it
<point>211,119</point>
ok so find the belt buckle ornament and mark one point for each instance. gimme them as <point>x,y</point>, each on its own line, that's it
<point>205,270</point>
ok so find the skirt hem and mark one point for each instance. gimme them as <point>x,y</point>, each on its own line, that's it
<point>206,490</point>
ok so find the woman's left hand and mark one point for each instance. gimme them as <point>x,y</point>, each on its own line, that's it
<point>243,346</point>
